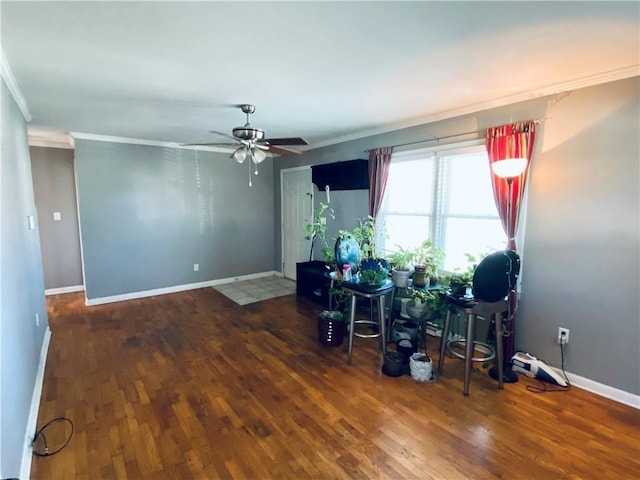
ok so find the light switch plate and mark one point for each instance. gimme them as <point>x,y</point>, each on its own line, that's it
<point>57,216</point>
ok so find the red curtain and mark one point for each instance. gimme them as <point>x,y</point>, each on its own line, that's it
<point>510,141</point>
<point>379,161</point>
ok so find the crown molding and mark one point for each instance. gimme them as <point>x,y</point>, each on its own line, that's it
<point>12,85</point>
<point>49,138</point>
<point>589,81</point>
<point>142,141</point>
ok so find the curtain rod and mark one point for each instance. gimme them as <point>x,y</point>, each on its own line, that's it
<point>437,139</point>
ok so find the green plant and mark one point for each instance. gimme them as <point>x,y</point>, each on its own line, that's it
<point>401,259</point>
<point>365,234</point>
<point>430,256</point>
<point>421,296</point>
<point>373,271</point>
<point>338,298</point>
<point>463,278</point>
<point>317,229</point>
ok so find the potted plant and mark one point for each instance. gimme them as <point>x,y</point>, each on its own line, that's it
<point>421,302</point>
<point>402,267</point>
<point>332,322</point>
<point>426,259</point>
<point>458,282</point>
<point>373,271</point>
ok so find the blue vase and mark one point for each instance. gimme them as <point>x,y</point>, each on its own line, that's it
<point>347,251</point>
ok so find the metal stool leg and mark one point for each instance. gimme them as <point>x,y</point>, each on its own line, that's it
<point>443,340</point>
<point>352,326</point>
<point>381,320</point>
<point>499,348</point>
<point>471,320</point>
<point>391,319</point>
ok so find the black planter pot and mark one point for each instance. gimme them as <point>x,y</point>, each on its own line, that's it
<point>331,328</point>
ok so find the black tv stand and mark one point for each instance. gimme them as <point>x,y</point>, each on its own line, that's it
<point>313,282</point>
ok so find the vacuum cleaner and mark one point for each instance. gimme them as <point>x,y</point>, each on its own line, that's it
<point>530,366</point>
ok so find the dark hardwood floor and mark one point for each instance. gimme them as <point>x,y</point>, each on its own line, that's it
<point>191,385</point>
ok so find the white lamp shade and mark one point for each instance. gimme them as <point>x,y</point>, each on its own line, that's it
<point>258,155</point>
<point>510,167</point>
<point>240,154</point>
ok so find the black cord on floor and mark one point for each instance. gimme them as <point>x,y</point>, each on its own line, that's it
<point>40,434</point>
<point>545,387</point>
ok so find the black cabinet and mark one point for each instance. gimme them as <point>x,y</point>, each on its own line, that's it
<point>349,175</point>
<point>313,282</point>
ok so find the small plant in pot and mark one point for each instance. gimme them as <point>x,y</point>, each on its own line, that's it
<point>373,271</point>
<point>402,267</point>
<point>458,282</point>
<point>427,258</point>
<point>421,303</point>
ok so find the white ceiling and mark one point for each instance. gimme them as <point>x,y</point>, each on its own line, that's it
<point>326,71</point>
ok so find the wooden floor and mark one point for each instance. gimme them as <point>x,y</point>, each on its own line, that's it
<point>191,385</point>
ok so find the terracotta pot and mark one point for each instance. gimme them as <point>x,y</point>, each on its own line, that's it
<point>420,277</point>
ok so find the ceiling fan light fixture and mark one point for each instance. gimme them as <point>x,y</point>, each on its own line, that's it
<point>258,155</point>
<point>240,154</point>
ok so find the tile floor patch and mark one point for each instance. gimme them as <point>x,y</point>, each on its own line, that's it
<point>256,290</point>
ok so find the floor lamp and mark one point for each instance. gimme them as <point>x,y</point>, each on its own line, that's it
<point>508,169</point>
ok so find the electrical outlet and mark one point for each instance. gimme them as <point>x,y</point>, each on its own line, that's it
<point>196,267</point>
<point>563,335</point>
<point>323,220</point>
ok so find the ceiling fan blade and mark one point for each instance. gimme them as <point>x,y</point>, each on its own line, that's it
<point>214,144</point>
<point>287,141</point>
<point>226,135</point>
<point>282,151</point>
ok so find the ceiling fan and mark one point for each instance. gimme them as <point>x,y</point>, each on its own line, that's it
<point>251,142</point>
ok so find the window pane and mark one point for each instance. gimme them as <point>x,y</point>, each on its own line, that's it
<point>408,231</point>
<point>470,182</point>
<point>410,186</point>
<point>474,236</point>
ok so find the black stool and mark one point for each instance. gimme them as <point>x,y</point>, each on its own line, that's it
<point>367,291</point>
<point>493,279</point>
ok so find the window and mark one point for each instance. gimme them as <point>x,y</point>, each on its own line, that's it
<point>445,196</point>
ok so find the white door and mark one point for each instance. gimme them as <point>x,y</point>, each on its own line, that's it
<point>297,212</point>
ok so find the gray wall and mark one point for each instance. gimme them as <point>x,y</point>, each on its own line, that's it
<point>581,263</point>
<point>55,191</point>
<point>21,288</point>
<point>147,214</point>
<point>580,252</point>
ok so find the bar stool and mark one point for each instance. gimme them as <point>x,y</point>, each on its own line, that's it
<point>493,279</point>
<point>472,309</point>
<point>371,292</point>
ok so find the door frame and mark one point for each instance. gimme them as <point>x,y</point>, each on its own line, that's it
<point>282,173</point>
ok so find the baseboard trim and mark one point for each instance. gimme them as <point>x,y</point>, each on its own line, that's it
<point>58,291</point>
<point>177,288</point>
<point>606,391</point>
<point>32,421</point>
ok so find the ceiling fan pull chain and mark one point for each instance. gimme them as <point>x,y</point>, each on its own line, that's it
<point>250,184</point>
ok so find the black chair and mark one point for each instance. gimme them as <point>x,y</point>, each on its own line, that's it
<point>493,279</point>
